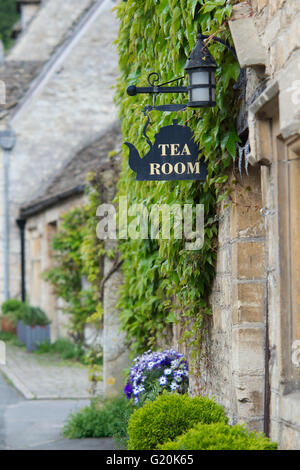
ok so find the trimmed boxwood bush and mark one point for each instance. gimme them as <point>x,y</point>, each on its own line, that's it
<point>169,416</point>
<point>219,436</point>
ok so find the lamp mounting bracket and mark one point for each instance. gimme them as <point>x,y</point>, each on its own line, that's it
<point>154,77</point>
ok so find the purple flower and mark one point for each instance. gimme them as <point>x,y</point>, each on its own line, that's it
<point>168,365</point>
<point>128,390</point>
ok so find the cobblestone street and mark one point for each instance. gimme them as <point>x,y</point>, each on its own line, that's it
<point>35,400</point>
<point>41,377</point>
<point>37,424</point>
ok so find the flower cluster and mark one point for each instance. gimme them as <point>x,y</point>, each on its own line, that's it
<point>153,372</point>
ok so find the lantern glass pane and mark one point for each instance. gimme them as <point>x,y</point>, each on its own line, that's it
<point>213,80</point>
<point>199,94</point>
<point>213,94</point>
<point>199,78</point>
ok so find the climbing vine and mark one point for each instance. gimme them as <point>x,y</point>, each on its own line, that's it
<point>76,272</point>
<point>163,282</point>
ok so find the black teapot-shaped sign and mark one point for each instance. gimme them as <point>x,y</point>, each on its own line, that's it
<point>173,156</point>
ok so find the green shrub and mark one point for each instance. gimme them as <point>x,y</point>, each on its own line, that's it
<point>219,436</point>
<point>17,310</point>
<point>13,309</point>
<point>11,305</point>
<point>10,338</point>
<point>34,316</point>
<point>169,416</point>
<point>104,418</point>
<point>67,349</point>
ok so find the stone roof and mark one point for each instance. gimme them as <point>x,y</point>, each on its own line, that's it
<point>71,179</point>
<point>17,76</point>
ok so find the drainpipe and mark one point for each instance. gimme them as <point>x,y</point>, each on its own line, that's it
<point>22,224</point>
<point>7,143</point>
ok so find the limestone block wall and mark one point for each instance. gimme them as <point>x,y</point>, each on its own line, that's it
<point>254,299</point>
<point>234,366</point>
<point>274,124</point>
<point>277,23</point>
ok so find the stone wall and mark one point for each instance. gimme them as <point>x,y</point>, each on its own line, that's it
<point>252,363</point>
<point>233,369</point>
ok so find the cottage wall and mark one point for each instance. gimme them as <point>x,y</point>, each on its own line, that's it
<point>253,352</point>
<point>251,361</point>
<point>40,230</point>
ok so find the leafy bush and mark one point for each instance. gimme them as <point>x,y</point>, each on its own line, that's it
<point>34,316</point>
<point>106,418</point>
<point>153,372</point>
<point>67,349</point>
<point>17,310</point>
<point>11,305</point>
<point>13,309</point>
<point>219,436</point>
<point>63,347</point>
<point>169,416</point>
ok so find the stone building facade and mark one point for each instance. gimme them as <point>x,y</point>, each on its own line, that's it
<point>253,346</point>
<point>43,216</point>
<point>59,99</point>
<point>59,77</point>
<point>62,99</point>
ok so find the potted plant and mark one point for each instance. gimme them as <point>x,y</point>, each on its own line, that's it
<point>11,313</point>
<point>33,327</point>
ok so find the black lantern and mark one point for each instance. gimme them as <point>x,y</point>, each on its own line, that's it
<point>201,69</point>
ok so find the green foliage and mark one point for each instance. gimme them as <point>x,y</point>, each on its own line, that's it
<point>77,256</point>
<point>33,316</point>
<point>63,347</point>
<point>104,418</point>
<point>161,278</point>
<point>11,305</point>
<point>169,416</point>
<point>13,309</point>
<point>8,17</point>
<point>10,338</point>
<point>219,436</point>
<point>17,310</point>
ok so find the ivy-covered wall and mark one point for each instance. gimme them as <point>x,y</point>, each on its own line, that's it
<point>163,282</point>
